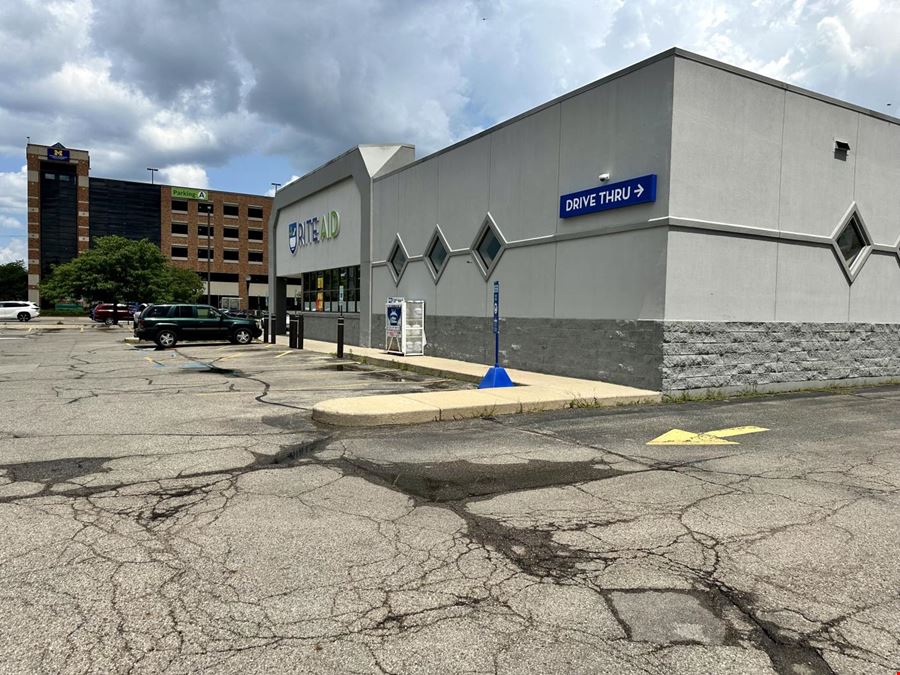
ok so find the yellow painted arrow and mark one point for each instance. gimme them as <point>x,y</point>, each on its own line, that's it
<point>717,437</point>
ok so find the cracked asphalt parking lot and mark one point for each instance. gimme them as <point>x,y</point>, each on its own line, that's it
<point>179,512</point>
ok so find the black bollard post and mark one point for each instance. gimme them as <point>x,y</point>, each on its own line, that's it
<point>292,333</point>
<point>266,329</point>
<point>299,331</point>
<point>340,340</point>
<point>273,333</point>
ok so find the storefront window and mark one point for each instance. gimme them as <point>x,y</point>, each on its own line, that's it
<point>322,290</point>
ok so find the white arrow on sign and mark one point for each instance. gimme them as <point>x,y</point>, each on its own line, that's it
<point>639,190</point>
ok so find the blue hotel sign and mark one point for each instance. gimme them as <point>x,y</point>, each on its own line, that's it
<point>638,190</point>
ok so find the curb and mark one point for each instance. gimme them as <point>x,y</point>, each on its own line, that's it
<point>394,409</point>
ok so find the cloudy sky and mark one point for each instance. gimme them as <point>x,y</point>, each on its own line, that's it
<point>234,95</point>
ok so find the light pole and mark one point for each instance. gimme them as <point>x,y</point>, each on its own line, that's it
<point>152,172</point>
<point>208,208</point>
<point>248,292</point>
<point>276,186</point>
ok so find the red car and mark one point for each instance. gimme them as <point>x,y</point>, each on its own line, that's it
<point>104,313</point>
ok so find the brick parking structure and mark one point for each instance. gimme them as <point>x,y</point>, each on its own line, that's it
<point>68,209</point>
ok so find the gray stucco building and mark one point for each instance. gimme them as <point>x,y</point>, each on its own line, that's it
<point>765,254</point>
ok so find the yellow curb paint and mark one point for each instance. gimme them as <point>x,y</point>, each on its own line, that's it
<point>717,437</point>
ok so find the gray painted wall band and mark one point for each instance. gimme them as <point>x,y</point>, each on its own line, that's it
<point>675,223</point>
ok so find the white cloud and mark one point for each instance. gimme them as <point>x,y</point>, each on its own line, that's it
<point>13,192</point>
<point>14,250</point>
<point>271,191</point>
<point>9,223</point>
<point>175,132</point>
<point>13,214</point>
<point>185,175</point>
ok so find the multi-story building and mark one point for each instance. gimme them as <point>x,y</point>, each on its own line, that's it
<point>220,235</point>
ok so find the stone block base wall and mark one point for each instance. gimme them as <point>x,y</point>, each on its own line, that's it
<point>623,352</point>
<point>771,356</point>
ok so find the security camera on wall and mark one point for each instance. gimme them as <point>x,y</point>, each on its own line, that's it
<point>603,177</point>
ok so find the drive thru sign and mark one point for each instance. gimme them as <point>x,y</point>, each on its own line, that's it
<point>611,196</point>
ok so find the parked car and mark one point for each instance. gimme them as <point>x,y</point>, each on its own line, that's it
<point>136,310</point>
<point>104,313</point>
<point>168,324</point>
<point>19,309</point>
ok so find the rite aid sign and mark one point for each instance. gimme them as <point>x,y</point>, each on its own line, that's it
<point>638,190</point>
<point>313,230</point>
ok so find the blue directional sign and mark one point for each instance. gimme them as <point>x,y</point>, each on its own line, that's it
<point>496,307</point>
<point>638,190</point>
<point>496,376</point>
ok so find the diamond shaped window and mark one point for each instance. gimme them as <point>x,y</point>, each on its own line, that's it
<point>437,254</point>
<point>852,243</point>
<point>398,259</point>
<point>488,246</point>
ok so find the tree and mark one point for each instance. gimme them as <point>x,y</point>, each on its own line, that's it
<point>13,281</point>
<point>118,269</point>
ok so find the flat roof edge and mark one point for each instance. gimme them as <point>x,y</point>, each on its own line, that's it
<point>168,185</point>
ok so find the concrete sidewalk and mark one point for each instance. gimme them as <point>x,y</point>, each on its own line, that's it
<point>534,392</point>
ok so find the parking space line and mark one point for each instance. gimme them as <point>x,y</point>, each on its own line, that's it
<point>283,354</point>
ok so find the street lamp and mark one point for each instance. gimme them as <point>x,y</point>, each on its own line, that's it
<point>208,208</point>
<point>152,171</point>
<point>276,186</point>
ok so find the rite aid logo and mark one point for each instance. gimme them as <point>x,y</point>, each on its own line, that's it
<point>292,237</point>
<point>313,230</point>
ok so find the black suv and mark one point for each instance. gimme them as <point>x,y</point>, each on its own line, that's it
<point>167,324</point>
